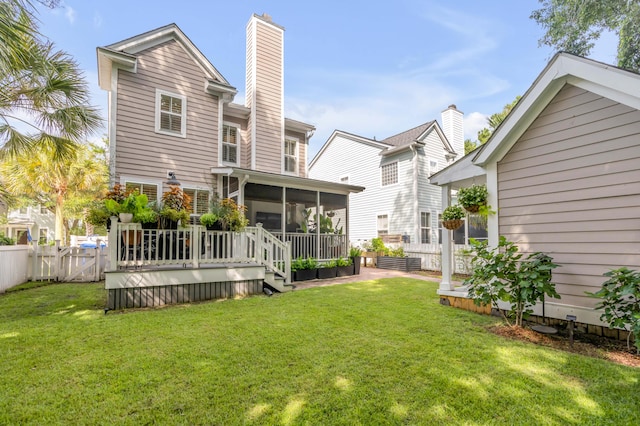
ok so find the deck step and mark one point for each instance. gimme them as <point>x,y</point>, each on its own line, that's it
<point>277,282</point>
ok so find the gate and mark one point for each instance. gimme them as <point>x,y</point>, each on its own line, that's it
<point>67,264</point>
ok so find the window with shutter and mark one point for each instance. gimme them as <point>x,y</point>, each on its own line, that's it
<point>425,227</point>
<point>170,113</point>
<point>230,137</point>
<point>149,189</point>
<point>199,200</point>
<point>290,155</point>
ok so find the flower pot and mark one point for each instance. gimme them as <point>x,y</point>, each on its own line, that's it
<point>453,224</point>
<point>325,273</point>
<point>126,217</point>
<point>305,274</point>
<point>357,260</point>
<point>344,271</point>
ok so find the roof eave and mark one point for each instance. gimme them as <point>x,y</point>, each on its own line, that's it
<point>108,59</point>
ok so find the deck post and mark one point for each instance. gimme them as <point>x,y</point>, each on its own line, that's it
<point>447,237</point>
<point>113,244</point>
<point>195,245</point>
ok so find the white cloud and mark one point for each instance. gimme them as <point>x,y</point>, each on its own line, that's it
<point>70,13</point>
<point>97,20</point>
<point>473,122</point>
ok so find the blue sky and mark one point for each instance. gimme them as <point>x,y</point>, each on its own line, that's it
<point>370,68</point>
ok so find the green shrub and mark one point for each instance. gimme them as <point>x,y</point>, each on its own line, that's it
<point>621,302</point>
<point>355,252</point>
<point>475,195</point>
<point>454,212</point>
<point>6,241</point>
<point>500,274</point>
<point>344,261</point>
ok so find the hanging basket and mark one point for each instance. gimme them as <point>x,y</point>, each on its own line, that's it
<point>453,224</point>
<point>472,209</point>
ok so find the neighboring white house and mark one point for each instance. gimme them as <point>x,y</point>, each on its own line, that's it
<point>398,199</point>
<point>38,220</point>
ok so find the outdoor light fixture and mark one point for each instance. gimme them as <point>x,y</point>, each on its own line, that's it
<point>172,179</point>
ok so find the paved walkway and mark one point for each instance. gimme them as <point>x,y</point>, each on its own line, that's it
<point>366,274</point>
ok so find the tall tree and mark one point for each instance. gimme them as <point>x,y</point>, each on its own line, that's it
<point>52,181</point>
<point>44,100</point>
<point>574,26</point>
<point>494,120</point>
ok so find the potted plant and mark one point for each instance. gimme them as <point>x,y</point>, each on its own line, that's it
<point>231,215</point>
<point>452,217</point>
<point>147,217</point>
<point>344,267</point>
<point>473,197</point>
<point>305,269</point>
<point>176,207</point>
<point>328,270</point>
<point>355,253</point>
<point>210,221</point>
<point>128,207</point>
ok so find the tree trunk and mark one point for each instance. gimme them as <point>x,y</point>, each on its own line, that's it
<point>59,230</point>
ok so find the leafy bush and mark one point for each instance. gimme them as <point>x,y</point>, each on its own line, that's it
<point>344,261</point>
<point>300,264</point>
<point>378,245</point>
<point>209,219</point>
<point>621,302</point>
<point>355,252</point>
<point>475,195</point>
<point>6,241</point>
<point>454,212</point>
<point>500,274</point>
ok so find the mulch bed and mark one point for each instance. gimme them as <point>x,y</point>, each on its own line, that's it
<point>584,344</point>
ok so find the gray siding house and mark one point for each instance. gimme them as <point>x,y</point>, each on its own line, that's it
<point>398,199</point>
<point>171,110</point>
<point>563,174</point>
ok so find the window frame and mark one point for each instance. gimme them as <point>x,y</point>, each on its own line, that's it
<point>378,230</point>
<point>183,114</point>
<point>236,145</point>
<point>194,200</point>
<point>296,156</point>
<point>391,174</point>
<point>425,228</point>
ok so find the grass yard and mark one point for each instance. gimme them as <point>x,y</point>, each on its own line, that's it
<point>369,353</point>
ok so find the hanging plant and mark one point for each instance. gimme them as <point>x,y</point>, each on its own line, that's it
<point>453,217</point>
<point>473,197</point>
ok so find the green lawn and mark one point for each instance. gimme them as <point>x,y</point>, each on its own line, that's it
<point>370,353</point>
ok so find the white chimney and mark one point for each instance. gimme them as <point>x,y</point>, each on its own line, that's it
<point>453,128</point>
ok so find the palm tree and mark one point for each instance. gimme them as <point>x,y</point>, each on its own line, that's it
<point>42,177</point>
<point>43,96</point>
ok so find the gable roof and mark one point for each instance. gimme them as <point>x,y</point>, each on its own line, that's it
<point>124,53</point>
<point>606,80</point>
<point>408,136</point>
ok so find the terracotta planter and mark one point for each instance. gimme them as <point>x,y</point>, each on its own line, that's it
<point>453,224</point>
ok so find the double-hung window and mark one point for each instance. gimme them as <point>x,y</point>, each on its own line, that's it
<point>383,224</point>
<point>171,113</point>
<point>389,174</point>
<point>199,200</point>
<point>290,155</point>
<point>230,136</point>
<point>149,189</point>
<point>425,227</point>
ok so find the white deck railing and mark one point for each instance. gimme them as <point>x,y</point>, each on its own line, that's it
<point>322,247</point>
<point>131,247</point>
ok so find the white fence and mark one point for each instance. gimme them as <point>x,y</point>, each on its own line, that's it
<point>14,266</point>
<point>431,256</point>
<point>22,263</point>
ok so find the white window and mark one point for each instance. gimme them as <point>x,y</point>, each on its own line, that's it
<point>290,155</point>
<point>199,200</point>
<point>44,210</point>
<point>230,136</point>
<point>389,174</point>
<point>433,166</point>
<point>425,227</point>
<point>171,113</point>
<point>383,224</point>
<point>42,237</point>
<point>149,189</point>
